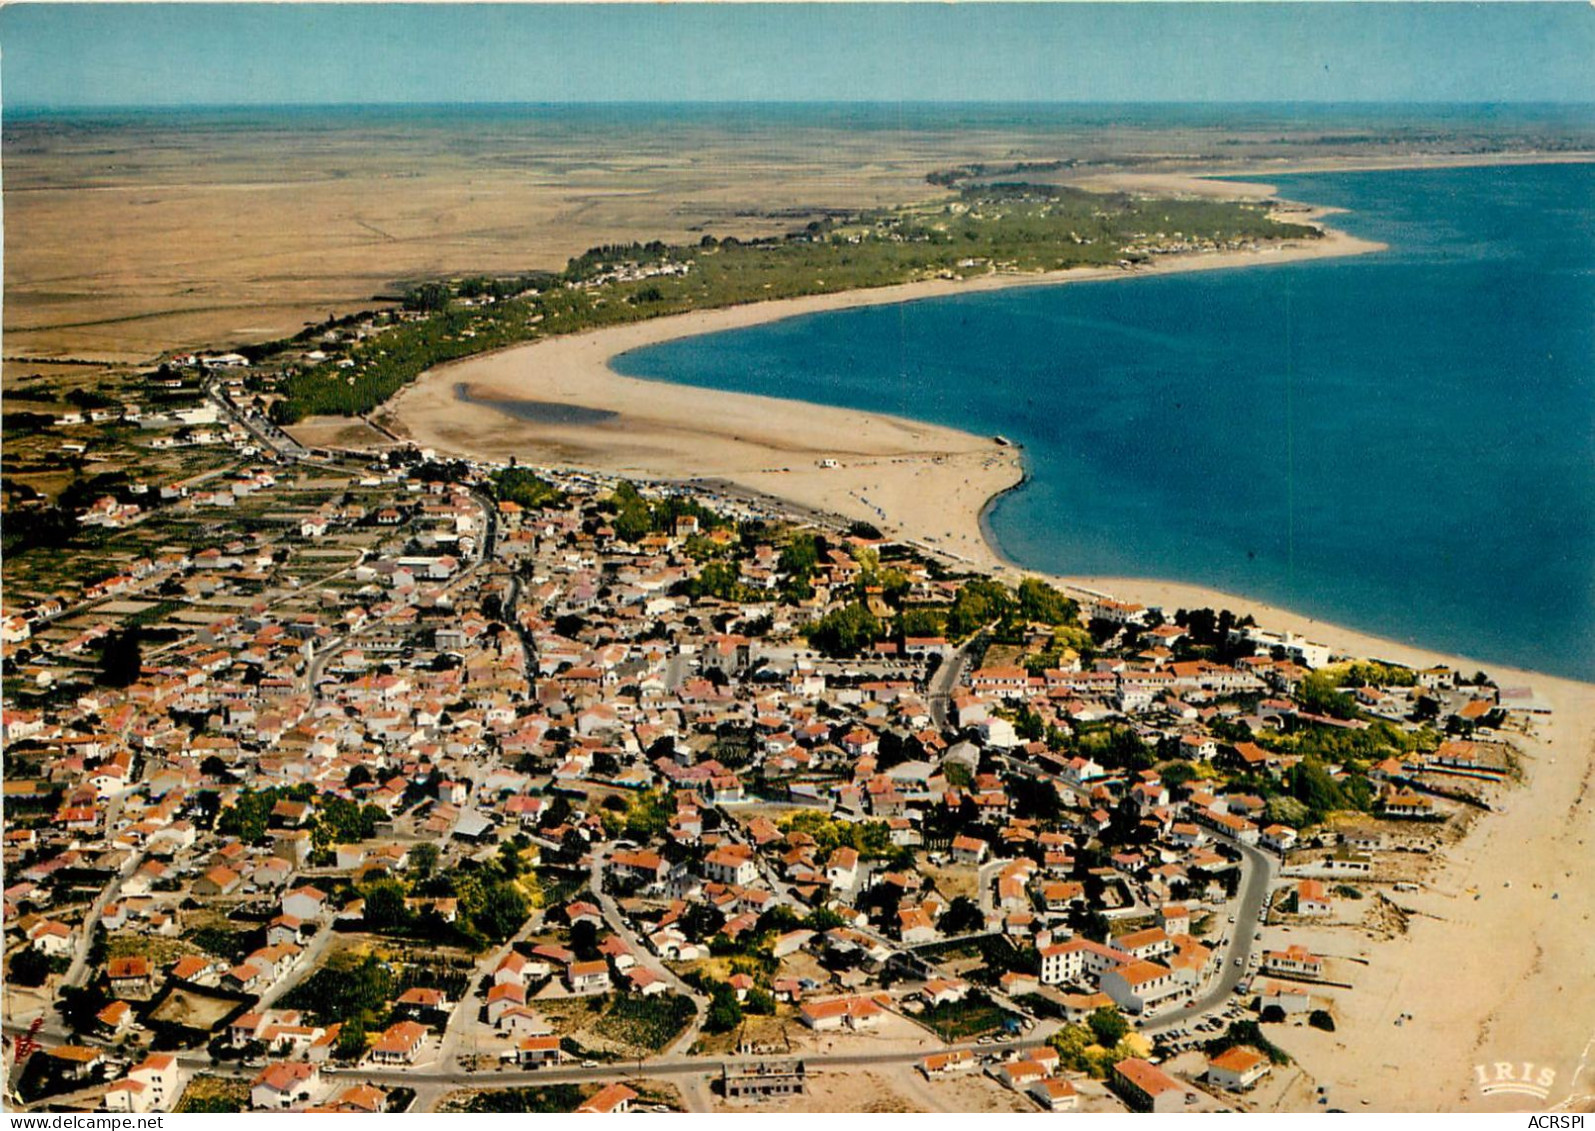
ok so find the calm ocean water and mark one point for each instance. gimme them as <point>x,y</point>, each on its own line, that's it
<point>1402,442</point>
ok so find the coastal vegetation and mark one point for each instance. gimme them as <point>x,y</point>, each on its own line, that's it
<point>1012,228</point>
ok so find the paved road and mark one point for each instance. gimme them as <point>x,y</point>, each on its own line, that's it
<point>302,967</point>
<point>639,949</point>
<point>1258,869</point>
<point>80,952</point>
<point>946,679</point>
<point>663,1066</point>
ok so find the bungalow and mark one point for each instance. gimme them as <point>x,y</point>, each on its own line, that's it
<point>75,1062</point>
<point>1290,999</point>
<point>502,998</point>
<point>1312,898</point>
<point>511,968</point>
<point>523,1021</point>
<point>1018,1075</point>
<point>1295,960</point>
<point>1405,804</point>
<point>356,1099</point>
<point>588,977</point>
<point>1237,1069</point>
<point>283,1085</point>
<point>942,991</point>
<point>115,1019</point>
<point>1146,1087</point>
<point>534,1052</point>
<point>52,939</point>
<point>220,880</point>
<point>647,983</point>
<point>1278,838</point>
<point>399,1043</point>
<point>969,850</point>
<point>1017,984</point>
<point>614,1099</point>
<point>853,1012</point>
<point>422,1000</point>
<point>1053,1094</point>
<point>645,865</point>
<point>948,1063</point>
<point>130,977</point>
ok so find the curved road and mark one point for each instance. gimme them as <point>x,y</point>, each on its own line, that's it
<point>1257,876</point>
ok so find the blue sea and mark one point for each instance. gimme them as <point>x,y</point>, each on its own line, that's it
<point>1403,442</point>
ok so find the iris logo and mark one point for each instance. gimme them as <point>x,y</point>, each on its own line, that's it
<point>1506,1078</point>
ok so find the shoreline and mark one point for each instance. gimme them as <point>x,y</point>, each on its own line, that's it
<point>612,423</point>
<point>1486,954</point>
<point>925,482</point>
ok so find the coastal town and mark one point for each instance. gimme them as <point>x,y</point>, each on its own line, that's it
<point>385,779</point>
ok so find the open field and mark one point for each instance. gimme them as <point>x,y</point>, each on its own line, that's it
<point>129,235</point>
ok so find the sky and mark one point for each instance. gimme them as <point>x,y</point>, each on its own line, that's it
<point>75,55</point>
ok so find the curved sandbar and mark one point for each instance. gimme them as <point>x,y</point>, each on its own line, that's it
<point>911,479</point>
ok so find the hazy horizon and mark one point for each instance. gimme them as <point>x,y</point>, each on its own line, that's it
<point>70,56</point>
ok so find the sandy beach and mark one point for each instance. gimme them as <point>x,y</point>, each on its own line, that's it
<point>1480,976</point>
<point>910,479</point>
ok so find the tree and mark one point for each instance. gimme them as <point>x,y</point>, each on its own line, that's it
<point>1035,798</point>
<point>1176,774</point>
<point>725,1013</point>
<point>248,815</point>
<point>424,858</point>
<point>977,604</point>
<point>352,1040</point>
<point>121,658</point>
<point>341,821</point>
<point>800,557</point>
<point>526,488</point>
<point>29,967</point>
<point>1311,784</point>
<point>1107,1025</point>
<point>963,915</point>
<point>1039,601</point>
<point>1319,695</point>
<point>843,632</point>
<point>509,859</point>
<point>584,940</point>
<point>428,297</point>
<point>385,907</point>
<point>80,1005</point>
<point>503,911</point>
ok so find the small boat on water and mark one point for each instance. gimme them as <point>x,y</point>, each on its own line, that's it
<point>1003,440</point>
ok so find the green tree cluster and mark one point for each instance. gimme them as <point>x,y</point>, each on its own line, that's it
<point>525,488</point>
<point>346,989</point>
<point>870,839</point>
<point>977,604</point>
<point>845,631</point>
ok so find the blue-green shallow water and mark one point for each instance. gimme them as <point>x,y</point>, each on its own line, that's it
<point>1403,442</point>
